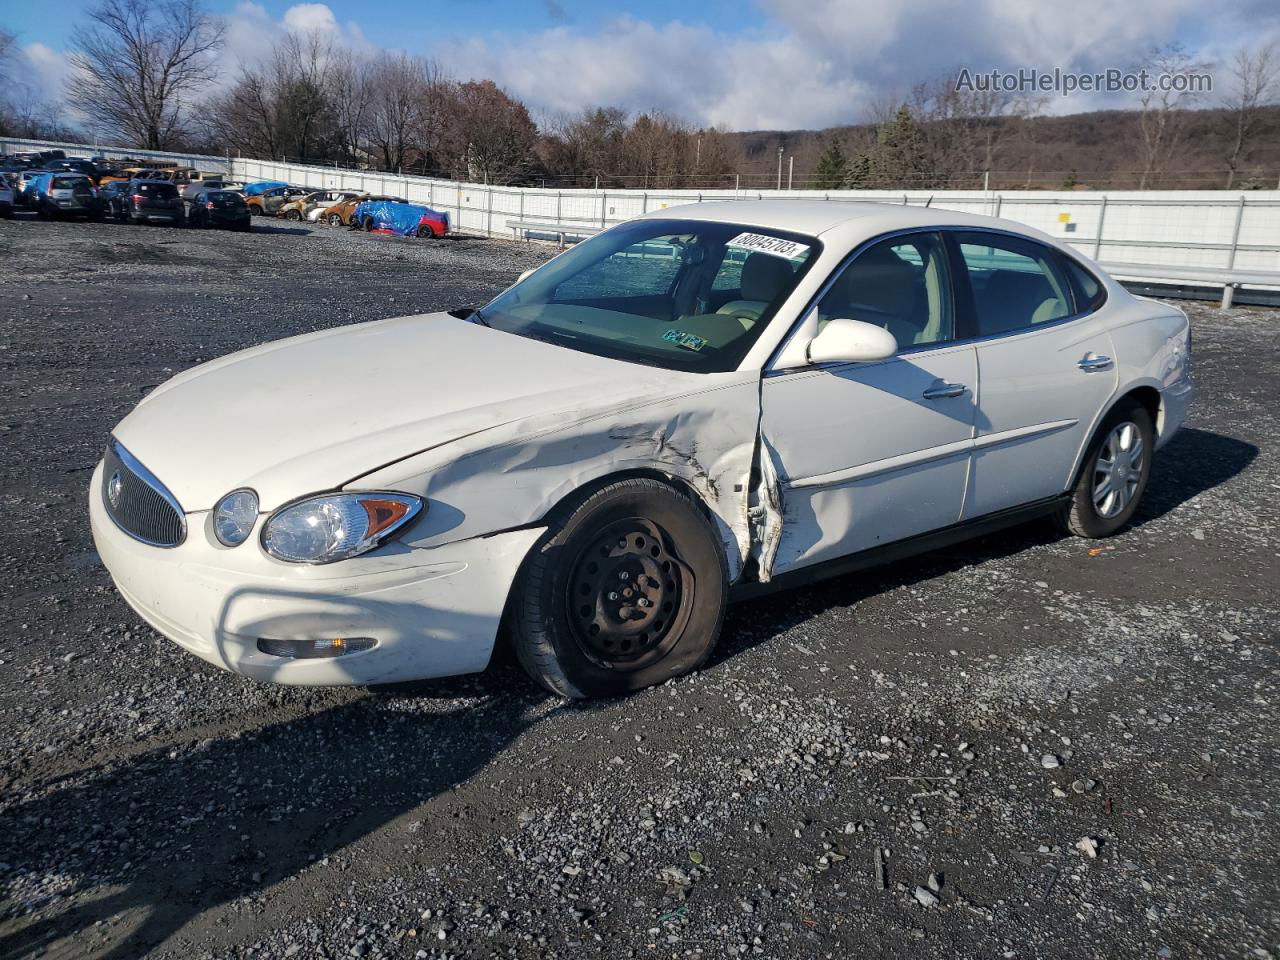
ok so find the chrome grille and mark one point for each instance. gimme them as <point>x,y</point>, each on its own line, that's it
<point>138,502</point>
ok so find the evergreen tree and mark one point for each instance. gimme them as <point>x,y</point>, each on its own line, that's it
<point>859,175</point>
<point>833,167</point>
<point>900,157</point>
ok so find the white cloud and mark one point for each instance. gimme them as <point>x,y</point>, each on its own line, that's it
<point>49,69</point>
<point>813,64</point>
<point>825,61</point>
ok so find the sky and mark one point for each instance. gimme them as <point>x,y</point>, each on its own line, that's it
<point>743,65</point>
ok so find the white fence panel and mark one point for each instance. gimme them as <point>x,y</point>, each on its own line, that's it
<point>1206,228</point>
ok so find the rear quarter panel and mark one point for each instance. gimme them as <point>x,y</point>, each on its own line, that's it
<point>1151,349</point>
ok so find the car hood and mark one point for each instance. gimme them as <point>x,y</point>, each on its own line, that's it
<point>311,413</point>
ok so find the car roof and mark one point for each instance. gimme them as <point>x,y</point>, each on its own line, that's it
<point>842,219</point>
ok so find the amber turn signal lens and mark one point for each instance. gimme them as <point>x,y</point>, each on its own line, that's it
<point>383,514</point>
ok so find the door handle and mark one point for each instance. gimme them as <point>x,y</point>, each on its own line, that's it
<point>945,391</point>
<point>1094,361</point>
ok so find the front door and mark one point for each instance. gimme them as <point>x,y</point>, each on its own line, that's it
<point>870,453</point>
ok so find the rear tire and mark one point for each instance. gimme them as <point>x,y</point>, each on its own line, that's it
<point>1116,469</point>
<point>627,589</point>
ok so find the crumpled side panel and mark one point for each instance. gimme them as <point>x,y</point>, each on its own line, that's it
<point>514,474</point>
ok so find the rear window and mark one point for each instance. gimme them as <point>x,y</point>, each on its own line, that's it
<point>67,183</point>
<point>225,198</point>
<point>158,190</point>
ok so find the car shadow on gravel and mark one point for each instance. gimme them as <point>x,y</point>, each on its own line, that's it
<point>257,226</point>
<point>150,845</point>
<point>1193,462</point>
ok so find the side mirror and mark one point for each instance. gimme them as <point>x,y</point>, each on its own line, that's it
<point>524,276</point>
<point>851,341</point>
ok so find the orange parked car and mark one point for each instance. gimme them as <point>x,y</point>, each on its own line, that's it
<point>339,215</point>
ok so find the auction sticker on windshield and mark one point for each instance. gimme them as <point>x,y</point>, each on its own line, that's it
<point>775,245</point>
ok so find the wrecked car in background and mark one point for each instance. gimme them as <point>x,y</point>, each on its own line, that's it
<point>310,206</point>
<point>267,202</point>
<point>395,217</point>
<point>340,214</point>
<point>725,395</point>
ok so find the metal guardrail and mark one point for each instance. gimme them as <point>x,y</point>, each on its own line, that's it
<point>1229,280</point>
<point>557,230</point>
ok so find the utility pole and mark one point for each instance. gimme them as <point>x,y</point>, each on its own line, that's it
<point>791,169</point>
<point>779,168</point>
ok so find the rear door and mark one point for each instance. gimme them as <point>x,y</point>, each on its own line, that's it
<point>1045,369</point>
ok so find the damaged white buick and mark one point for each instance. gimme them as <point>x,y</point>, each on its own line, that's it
<point>714,398</point>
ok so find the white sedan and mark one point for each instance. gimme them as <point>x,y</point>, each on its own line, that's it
<point>724,395</point>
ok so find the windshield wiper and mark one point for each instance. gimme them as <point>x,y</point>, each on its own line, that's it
<point>478,317</point>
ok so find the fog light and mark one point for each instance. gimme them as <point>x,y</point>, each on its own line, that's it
<point>315,649</point>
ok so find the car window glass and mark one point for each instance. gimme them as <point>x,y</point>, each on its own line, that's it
<point>1016,284</point>
<point>1089,294</point>
<point>643,269</point>
<point>643,291</point>
<point>900,284</point>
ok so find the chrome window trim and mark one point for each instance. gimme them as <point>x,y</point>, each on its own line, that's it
<point>151,480</point>
<point>771,371</point>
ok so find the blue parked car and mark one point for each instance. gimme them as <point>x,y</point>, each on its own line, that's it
<point>262,186</point>
<point>23,188</point>
<point>399,218</point>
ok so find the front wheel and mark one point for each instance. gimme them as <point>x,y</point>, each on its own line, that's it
<point>1116,469</point>
<point>627,589</point>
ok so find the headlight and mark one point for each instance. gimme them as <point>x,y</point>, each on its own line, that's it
<point>234,517</point>
<point>336,526</point>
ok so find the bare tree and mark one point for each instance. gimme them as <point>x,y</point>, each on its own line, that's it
<point>351,95</point>
<point>401,90</point>
<point>7,41</point>
<point>1162,109</point>
<point>490,135</point>
<point>1255,77</point>
<point>1027,110</point>
<point>136,62</point>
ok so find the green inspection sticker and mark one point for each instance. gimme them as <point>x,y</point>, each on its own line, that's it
<point>689,341</point>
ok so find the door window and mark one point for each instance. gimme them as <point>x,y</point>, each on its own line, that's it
<point>1017,284</point>
<point>900,284</point>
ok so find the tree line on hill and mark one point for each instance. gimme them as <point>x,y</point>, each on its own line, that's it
<point>141,69</point>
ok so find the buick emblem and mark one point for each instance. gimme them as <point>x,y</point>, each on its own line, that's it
<point>114,486</point>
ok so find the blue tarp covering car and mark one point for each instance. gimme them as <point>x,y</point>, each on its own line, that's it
<point>262,186</point>
<point>401,219</point>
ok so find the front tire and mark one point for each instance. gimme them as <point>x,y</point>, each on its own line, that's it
<point>1116,469</point>
<point>627,589</point>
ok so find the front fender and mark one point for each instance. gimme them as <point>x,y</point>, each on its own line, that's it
<point>514,475</point>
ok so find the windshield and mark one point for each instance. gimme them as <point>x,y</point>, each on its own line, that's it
<point>681,294</point>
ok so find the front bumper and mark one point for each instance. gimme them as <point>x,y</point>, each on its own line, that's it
<point>433,612</point>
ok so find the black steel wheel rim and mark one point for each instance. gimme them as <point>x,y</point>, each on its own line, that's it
<point>628,596</point>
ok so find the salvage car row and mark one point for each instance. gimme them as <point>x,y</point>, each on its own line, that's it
<point>77,187</point>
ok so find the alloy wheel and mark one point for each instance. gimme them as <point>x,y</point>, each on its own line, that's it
<point>1117,471</point>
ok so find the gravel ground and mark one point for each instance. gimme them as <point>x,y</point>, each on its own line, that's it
<point>1025,746</point>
